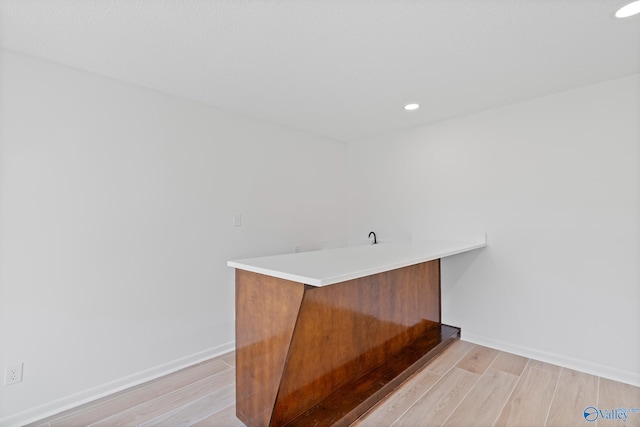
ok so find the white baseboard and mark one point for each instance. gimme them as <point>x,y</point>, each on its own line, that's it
<point>69,402</point>
<point>627,377</point>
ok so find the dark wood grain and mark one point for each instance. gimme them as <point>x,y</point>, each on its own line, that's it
<point>266,312</point>
<point>304,344</point>
<point>346,404</point>
<point>346,329</point>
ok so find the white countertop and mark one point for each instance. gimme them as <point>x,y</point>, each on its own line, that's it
<point>321,268</point>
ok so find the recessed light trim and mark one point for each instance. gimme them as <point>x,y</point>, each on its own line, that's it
<point>411,107</point>
<point>631,9</point>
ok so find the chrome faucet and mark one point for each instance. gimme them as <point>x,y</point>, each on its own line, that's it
<point>374,237</point>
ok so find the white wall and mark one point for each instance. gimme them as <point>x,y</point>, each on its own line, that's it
<point>555,183</point>
<point>116,207</point>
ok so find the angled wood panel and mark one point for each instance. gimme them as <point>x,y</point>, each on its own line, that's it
<point>347,329</point>
<point>266,312</point>
<point>300,347</point>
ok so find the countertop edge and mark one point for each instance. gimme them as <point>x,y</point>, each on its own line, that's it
<point>313,281</point>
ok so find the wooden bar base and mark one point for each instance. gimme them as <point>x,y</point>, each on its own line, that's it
<point>349,402</point>
<point>322,356</point>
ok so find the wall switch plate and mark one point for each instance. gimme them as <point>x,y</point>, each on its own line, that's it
<point>237,220</point>
<point>13,374</point>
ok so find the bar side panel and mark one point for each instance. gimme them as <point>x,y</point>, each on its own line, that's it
<point>266,313</point>
<point>347,329</point>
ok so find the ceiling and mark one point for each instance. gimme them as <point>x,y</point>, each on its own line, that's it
<point>342,69</point>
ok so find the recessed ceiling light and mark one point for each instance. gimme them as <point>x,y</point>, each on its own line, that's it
<point>411,107</point>
<point>631,9</point>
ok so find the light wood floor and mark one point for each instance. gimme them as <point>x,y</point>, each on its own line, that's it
<point>468,385</point>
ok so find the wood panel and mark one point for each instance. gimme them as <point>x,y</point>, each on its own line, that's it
<point>531,399</point>
<point>482,406</point>
<point>347,403</point>
<point>574,393</point>
<point>195,410</point>
<point>510,363</point>
<point>168,402</point>
<point>224,418</point>
<point>390,409</point>
<point>617,401</point>
<point>230,359</point>
<point>537,364</point>
<point>266,312</point>
<point>442,364</point>
<point>298,346</point>
<point>441,401</point>
<point>349,328</point>
<point>139,395</point>
<point>478,359</point>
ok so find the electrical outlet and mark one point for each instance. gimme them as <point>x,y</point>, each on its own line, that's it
<point>13,374</point>
<point>237,220</point>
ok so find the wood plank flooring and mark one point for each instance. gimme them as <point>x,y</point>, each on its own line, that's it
<point>468,385</point>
